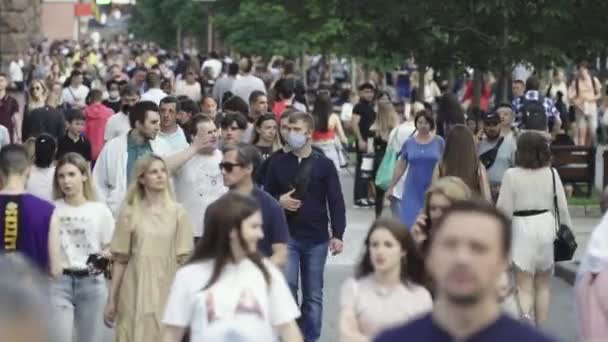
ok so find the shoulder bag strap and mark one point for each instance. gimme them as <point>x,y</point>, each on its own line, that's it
<point>555,206</point>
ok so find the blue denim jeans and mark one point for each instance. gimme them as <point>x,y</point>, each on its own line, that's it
<point>308,260</point>
<point>77,308</point>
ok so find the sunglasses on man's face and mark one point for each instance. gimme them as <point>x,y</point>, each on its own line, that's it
<point>229,166</point>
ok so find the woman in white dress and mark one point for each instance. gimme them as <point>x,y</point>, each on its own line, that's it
<point>527,195</point>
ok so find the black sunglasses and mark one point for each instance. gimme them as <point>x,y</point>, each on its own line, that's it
<point>229,166</point>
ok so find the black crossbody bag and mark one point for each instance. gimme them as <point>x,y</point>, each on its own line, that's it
<point>489,157</point>
<point>564,244</point>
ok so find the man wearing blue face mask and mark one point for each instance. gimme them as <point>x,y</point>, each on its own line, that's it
<point>307,186</point>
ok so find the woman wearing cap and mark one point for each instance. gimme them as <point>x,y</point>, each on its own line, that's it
<point>40,181</point>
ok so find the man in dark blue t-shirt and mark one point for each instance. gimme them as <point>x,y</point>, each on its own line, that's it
<point>469,251</point>
<point>238,169</point>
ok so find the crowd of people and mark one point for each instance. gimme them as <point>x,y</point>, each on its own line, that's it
<point>172,197</point>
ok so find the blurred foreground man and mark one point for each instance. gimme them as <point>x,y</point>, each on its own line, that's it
<point>468,253</point>
<point>23,304</point>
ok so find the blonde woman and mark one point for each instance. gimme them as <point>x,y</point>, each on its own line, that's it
<point>37,96</point>
<point>386,120</point>
<point>153,238</point>
<point>79,241</point>
<point>441,194</point>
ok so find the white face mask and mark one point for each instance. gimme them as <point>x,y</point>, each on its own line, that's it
<point>114,94</point>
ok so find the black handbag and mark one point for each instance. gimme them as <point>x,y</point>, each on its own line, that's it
<point>564,244</point>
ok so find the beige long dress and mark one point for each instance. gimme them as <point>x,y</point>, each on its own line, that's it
<point>151,244</point>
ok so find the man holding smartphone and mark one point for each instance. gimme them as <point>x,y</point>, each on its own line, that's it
<point>307,186</point>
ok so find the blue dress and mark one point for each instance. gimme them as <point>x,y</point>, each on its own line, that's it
<point>421,160</point>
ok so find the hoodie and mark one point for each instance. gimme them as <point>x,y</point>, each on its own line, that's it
<point>96,115</point>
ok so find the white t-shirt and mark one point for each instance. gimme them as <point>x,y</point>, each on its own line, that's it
<point>215,65</point>
<point>75,97</point>
<point>40,182</point>
<point>193,91</point>
<point>199,183</point>
<point>245,85</point>
<point>176,140</point>
<point>83,230</point>
<point>117,125</point>
<point>154,95</point>
<point>14,69</point>
<point>240,290</point>
<point>5,136</point>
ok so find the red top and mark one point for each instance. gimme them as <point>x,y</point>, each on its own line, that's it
<point>486,94</point>
<point>278,108</point>
<point>96,116</point>
<point>320,136</point>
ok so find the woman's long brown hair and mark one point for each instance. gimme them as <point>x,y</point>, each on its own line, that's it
<point>460,157</point>
<point>412,266</point>
<point>221,218</point>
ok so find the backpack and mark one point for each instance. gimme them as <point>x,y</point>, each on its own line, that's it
<point>533,114</point>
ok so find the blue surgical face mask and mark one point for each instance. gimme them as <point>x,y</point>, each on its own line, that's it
<point>296,140</point>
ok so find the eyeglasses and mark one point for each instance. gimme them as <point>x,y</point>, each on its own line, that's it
<point>229,166</point>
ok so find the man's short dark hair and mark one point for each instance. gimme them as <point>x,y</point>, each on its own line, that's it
<point>253,97</point>
<point>75,73</point>
<point>139,112</point>
<point>302,116</point>
<point>95,95</point>
<point>230,118</point>
<point>152,80</point>
<point>366,85</point>
<point>533,83</point>
<point>233,69</point>
<point>236,104</point>
<point>129,90</point>
<point>3,74</point>
<point>112,82</point>
<point>195,120</point>
<point>189,106</point>
<point>246,154</point>
<point>13,160</point>
<point>214,55</point>
<point>170,99</point>
<point>285,88</point>
<point>482,208</point>
<point>73,114</point>
<point>246,64</point>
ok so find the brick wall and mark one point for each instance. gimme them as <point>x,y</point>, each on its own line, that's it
<point>19,26</point>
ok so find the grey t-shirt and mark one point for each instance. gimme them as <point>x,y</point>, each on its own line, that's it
<point>505,158</point>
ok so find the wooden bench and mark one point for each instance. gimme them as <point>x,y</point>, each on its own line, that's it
<point>575,164</point>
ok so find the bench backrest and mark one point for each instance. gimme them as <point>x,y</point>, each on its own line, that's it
<point>574,163</point>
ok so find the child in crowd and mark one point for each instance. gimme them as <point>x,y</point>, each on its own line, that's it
<point>73,141</point>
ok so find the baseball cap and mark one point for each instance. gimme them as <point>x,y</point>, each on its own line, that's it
<point>491,118</point>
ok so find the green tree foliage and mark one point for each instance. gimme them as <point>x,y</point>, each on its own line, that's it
<point>158,20</point>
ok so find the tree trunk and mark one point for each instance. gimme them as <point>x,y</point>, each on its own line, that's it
<point>353,74</point>
<point>421,83</point>
<point>178,37</point>
<point>504,68</point>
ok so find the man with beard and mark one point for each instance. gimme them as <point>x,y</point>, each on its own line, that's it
<point>496,152</point>
<point>468,253</point>
<point>118,124</point>
<point>114,168</point>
